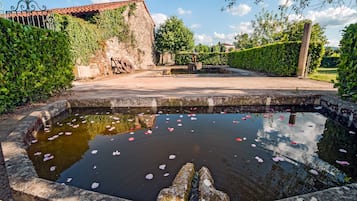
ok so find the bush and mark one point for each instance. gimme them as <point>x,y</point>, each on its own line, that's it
<point>330,62</point>
<point>347,68</point>
<point>211,58</point>
<point>279,59</point>
<point>34,64</point>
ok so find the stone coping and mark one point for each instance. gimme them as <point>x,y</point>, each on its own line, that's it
<point>26,185</point>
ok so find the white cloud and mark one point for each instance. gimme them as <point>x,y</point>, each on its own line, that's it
<point>243,27</point>
<point>159,18</point>
<point>195,26</point>
<point>339,16</point>
<point>219,36</point>
<point>333,43</point>
<point>240,10</point>
<point>285,3</point>
<point>203,39</point>
<point>181,11</point>
<point>104,1</point>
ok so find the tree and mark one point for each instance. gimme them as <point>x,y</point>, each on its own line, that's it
<point>299,5</point>
<point>173,36</point>
<point>270,27</point>
<point>202,48</point>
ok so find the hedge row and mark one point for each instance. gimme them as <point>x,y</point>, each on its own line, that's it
<point>280,59</point>
<point>34,63</point>
<point>330,62</point>
<point>212,58</point>
<point>347,68</point>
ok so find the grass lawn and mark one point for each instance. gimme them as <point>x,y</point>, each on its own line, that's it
<point>324,74</point>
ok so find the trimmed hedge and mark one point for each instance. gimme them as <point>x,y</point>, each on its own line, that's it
<point>211,58</point>
<point>34,64</point>
<point>280,59</point>
<point>330,62</point>
<point>347,69</point>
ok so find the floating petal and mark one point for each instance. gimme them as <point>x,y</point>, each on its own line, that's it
<point>342,150</point>
<point>172,157</point>
<point>149,176</point>
<point>94,151</point>
<point>131,139</point>
<point>162,167</point>
<point>69,179</point>
<point>342,162</point>
<point>166,174</point>
<point>314,172</point>
<point>94,185</point>
<point>53,168</point>
<point>253,145</point>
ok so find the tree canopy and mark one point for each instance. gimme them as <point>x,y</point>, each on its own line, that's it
<point>299,5</point>
<point>269,27</point>
<point>173,36</point>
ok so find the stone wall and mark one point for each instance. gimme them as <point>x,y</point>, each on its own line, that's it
<point>140,53</point>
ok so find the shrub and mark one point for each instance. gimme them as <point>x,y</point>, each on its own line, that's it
<point>330,62</point>
<point>347,68</point>
<point>34,63</point>
<point>279,59</point>
<point>209,58</point>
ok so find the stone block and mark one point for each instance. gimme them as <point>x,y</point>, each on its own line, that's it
<point>206,188</point>
<point>181,186</point>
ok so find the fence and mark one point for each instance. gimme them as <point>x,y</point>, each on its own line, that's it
<point>28,12</point>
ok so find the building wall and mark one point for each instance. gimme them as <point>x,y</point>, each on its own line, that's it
<point>140,54</point>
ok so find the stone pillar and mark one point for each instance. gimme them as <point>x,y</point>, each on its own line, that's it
<point>304,50</point>
<point>181,186</point>
<point>206,187</point>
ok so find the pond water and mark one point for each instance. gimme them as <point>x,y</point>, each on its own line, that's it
<point>252,155</point>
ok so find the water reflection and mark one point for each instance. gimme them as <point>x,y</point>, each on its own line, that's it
<point>227,142</point>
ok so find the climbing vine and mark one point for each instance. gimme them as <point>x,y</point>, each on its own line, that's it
<point>87,35</point>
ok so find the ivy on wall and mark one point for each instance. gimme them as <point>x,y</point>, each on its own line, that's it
<point>34,64</point>
<point>87,36</point>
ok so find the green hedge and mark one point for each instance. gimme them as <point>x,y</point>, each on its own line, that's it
<point>330,62</point>
<point>34,63</point>
<point>347,69</point>
<point>211,58</point>
<point>280,59</point>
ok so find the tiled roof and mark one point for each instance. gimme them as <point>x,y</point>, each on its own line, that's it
<point>79,10</point>
<point>93,7</point>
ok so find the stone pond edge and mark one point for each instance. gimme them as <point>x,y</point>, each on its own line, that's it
<point>26,185</point>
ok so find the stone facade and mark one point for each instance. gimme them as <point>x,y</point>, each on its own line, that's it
<point>140,53</point>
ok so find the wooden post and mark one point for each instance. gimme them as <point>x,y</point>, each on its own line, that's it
<point>304,50</point>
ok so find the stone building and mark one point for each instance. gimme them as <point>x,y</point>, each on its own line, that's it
<point>141,56</point>
<point>141,25</point>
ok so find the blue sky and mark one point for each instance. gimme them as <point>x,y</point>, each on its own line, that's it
<point>210,25</point>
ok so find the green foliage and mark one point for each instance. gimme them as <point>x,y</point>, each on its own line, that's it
<point>279,59</point>
<point>34,63</point>
<point>173,36</point>
<point>347,69</point>
<point>330,61</point>
<point>202,48</point>
<point>270,27</point>
<point>211,58</point>
<point>86,36</point>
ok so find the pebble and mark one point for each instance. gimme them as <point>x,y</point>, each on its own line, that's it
<point>149,176</point>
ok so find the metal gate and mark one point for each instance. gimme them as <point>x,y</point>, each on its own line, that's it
<point>28,12</point>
